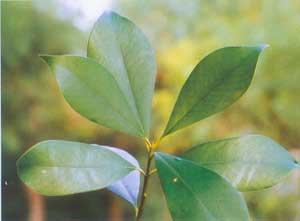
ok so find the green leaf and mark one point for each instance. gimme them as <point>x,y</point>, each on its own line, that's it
<point>55,168</point>
<point>123,49</point>
<point>93,92</point>
<point>215,83</point>
<point>195,193</point>
<point>250,162</point>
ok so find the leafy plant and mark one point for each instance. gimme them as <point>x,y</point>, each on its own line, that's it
<point>113,86</point>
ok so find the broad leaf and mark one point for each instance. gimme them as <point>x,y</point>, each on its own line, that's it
<point>129,186</point>
<point>215,83</point>
<point>123,49</point>
<point>195,193</point>
<point>250,162</point>
<point>55,168</point>
<point>93,92</point>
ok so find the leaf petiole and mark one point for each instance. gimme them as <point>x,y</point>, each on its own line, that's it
<point>141,171</point>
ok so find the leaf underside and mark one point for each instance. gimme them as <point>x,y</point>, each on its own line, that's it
<point>129,186</point>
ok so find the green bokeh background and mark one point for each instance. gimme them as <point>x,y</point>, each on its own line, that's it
<point>181,32</point>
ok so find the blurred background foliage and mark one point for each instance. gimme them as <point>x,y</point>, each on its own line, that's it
<point>181,32</point>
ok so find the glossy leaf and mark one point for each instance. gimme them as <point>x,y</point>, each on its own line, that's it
<point>93,92</point>
<point>129,186</point>
<point>215,83</point>
<point>123,49</point>
<point>195,193</point>
<point>55,168</point>
<point>250,162</point>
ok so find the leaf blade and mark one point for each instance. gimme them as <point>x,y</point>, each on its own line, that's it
<point>93,92</point>
<point>250,162</point>
<point>196,193</point>
<point>123,49</point>
<point>215,83</point>
<point>55,168</point>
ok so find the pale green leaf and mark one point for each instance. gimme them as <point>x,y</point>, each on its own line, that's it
<point>123,49</point>
<point>250,162</point>
<point>93,92</point>
<point>55,168</point>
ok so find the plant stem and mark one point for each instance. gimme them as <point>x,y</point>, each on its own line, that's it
<point>145,185</point>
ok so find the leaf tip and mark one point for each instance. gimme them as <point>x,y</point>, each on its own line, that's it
<point>261,47</point>
<point>109,14</point>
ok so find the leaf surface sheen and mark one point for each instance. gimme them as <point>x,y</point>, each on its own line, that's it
<point>215,83</point>
<point>195,193</point>
<point>55,168</point>
<point>249,162</point>
<point>93,92</point>
<point>122,48</point>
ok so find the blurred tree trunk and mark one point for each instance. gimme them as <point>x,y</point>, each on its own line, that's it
<point>285,135</point>
<point>36,206</point>
<point>115,211</point>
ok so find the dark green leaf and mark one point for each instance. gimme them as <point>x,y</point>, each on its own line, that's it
<point>195,193</point>
<point>249,162</point>
<point>92,91</point>
<point>56,168</point>
<point>123,49</point>
<point>215,83</point>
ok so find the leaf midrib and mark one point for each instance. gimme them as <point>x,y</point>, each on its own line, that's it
<point>130,194</point>
<point>92,90</point>
<point>188,188</point>
<point>140,123</point>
